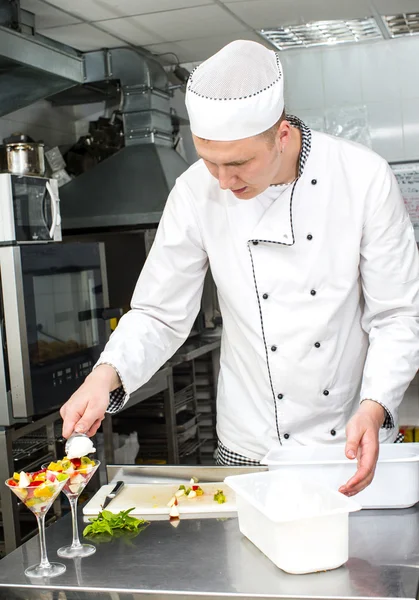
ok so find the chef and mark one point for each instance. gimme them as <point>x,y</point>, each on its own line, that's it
<point>317,272</point>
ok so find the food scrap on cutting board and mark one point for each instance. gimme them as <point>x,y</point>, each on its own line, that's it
<point>191,492</point>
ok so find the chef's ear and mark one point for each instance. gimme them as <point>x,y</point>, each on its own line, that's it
<point>284,132</point>
<point>272,134</point>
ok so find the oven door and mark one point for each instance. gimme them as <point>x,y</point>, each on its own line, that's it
<point>55,321</point>
<point>36,209</point>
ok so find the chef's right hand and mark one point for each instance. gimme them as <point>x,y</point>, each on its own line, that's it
<point>85,410</point>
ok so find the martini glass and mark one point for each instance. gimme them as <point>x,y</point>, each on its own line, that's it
<point>39,498</point>
<point>73,487</point>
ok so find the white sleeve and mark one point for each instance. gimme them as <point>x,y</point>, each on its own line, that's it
<point>166,299</point>
<point>389,266</point>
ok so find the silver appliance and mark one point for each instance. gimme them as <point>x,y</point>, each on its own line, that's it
<point>54,324</point>
<point>29,210</point>
<point>129,189</point>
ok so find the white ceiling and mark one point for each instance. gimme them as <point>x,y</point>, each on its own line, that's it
<point>192,29</point>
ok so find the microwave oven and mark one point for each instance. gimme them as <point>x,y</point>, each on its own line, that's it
<point>29,210</point>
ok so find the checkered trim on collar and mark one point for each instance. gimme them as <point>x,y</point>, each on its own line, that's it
<point>305,144</point>
<point>305,141</point>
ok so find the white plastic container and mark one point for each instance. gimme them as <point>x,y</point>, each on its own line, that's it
<point>302,527</point>
<point>396,481</point>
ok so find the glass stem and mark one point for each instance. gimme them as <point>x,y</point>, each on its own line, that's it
<point>73,505</point>
<point>41,526</point>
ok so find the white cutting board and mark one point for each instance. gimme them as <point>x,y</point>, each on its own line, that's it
<point>152,499</point>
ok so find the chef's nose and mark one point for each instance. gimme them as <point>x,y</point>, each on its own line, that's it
<point>225,178</point>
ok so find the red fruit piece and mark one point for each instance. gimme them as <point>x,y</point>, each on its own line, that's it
<point>35,483</point>
<point>76,462</point>
<point>38,472</point>
<point>51,476</point>
<point>12,482</point>
<point>195,487</point>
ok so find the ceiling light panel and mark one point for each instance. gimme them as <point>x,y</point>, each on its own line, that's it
<point>403,24</point>
<point>323,33</point>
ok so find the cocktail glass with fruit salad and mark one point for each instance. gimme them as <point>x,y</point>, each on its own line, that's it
<point>79,472</point>
<point>38,491</point>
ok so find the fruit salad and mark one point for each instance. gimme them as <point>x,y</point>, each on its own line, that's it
<point>78,470</point>
<point>39,489</point>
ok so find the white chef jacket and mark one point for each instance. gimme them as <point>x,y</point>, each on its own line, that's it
<point>319,294</point>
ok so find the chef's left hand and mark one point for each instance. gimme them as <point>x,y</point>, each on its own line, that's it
<point>362,443</point>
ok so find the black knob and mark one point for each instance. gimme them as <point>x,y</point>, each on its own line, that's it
<point>273,348</point>
<point>309,237</point>
<point>313,292</point>
<point>280,396</point>
<point>313,181</point>
<point>317,344</point>
<point>333,432</point>
<point>286,436</point>
<point>265,296</point>
<point>326,392</point>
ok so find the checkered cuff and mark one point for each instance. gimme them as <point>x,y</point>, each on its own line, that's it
<point>116,400</point>
<point>388,421</point>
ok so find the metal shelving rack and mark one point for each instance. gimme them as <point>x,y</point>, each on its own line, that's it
<point>168,424</point>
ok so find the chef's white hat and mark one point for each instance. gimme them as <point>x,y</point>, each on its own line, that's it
<point>236,93</point>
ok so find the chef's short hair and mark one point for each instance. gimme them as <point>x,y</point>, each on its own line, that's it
<point>270,133</point>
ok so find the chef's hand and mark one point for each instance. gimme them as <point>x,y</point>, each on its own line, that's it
<point>85,410</point>
<point>362,443</point>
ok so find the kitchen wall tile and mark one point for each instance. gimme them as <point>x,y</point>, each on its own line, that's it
<point>410,113</point>
<point>313,118</point>
<point>303,79</point>
<point>380,72</point>
<point>342,76</point>
<point>42,114</point>
<point>386,130</point>
<point>50,136</point>
<point>406,52</point>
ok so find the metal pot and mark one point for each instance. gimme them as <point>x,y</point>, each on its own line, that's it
<point>23,158</point>
<point>21,155</point>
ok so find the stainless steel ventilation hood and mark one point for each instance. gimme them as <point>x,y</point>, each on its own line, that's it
<point>130,188</point>
<point>31,69</point>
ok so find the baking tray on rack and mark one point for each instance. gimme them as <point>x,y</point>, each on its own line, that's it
<point>155,408</point>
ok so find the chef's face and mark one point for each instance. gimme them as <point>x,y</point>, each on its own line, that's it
<point>246,167</point>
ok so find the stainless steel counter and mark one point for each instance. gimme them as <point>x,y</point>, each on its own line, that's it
<point>209,558</point>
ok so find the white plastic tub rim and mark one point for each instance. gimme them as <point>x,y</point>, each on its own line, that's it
<point>284,498</point>
<point>334,454</point>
